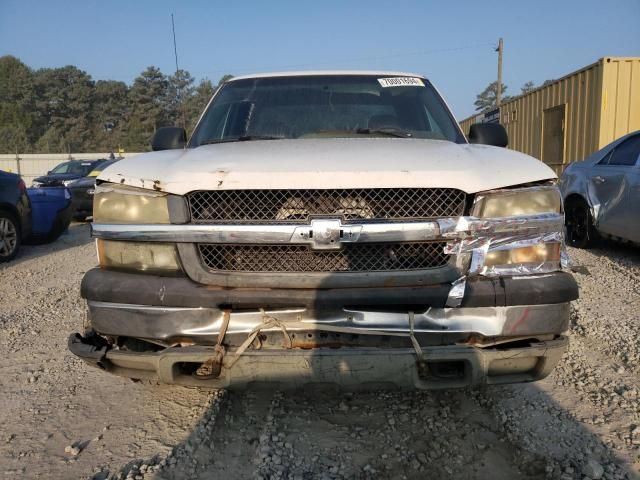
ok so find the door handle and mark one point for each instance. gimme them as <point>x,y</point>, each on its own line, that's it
<point>599,179</point>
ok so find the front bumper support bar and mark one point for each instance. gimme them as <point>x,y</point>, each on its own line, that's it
<point>347,368</point>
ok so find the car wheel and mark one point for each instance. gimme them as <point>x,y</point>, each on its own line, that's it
<point>9,237</point>
<point>579,224</point>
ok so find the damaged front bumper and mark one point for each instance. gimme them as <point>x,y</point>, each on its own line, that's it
<point>350,368</point>
<point>507,330</point>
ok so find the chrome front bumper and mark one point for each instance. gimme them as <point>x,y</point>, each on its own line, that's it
<point>170,326</point>
<point>458,347</point>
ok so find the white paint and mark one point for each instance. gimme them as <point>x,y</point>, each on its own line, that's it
<point>329,163</point>
<point>376,73</point>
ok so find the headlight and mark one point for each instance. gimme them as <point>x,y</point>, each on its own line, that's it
<point>66,183</point>
<point>520,201</point>
<point>141,256</point>
<point>122,204</point>
<point>531,255</point>
<point>35,184</point>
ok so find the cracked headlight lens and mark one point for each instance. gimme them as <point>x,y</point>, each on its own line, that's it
<point>121,204</point>
<point>518,201</point>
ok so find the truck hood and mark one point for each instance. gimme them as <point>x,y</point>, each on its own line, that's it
<point>329,163</point>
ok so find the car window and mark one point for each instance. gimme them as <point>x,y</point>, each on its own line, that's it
<point>62,168</point>
<point>76,169</point>
<point>625,154</point>
<point>86,167</point>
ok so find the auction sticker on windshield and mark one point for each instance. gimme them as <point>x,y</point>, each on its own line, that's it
<point>400,82</point>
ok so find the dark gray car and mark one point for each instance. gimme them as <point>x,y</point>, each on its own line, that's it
<point>66,172</point>
<point>602,194</point>
<point>82,191</point>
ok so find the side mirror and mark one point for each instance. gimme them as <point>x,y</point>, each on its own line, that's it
<point>489,134</point>
<point>168,138</point>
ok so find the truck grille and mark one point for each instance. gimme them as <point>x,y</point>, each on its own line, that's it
<point>353,257</point>
<point>289,206</point>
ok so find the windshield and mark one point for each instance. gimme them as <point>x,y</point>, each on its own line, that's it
<point>326,106</point>
<point>73,167</point>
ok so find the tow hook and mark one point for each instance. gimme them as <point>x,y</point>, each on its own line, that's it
<point>213,367</point>
<point>423,368</point>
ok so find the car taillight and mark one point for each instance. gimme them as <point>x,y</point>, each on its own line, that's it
<point>21,186</point>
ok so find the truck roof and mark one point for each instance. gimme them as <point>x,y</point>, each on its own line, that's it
<point>380,73</point>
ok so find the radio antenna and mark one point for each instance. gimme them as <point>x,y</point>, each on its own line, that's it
<point>175,48</point>
<point>178,92</point>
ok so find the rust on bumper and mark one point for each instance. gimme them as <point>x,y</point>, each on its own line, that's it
<point>347,368</point>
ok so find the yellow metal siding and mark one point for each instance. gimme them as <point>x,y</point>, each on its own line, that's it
<point>579,93</point>
<point>620,112</point>
<point>602,103</point>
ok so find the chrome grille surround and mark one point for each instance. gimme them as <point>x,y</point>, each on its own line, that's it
<point>356,257</point>
<point>295,206</point>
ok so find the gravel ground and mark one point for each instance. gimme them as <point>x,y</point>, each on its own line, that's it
<point>62,419</point>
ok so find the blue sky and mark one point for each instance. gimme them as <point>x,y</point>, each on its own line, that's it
<point>451,42</point>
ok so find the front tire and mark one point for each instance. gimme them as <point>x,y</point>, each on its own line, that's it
<point>579,224</point>
<point>9,237</point>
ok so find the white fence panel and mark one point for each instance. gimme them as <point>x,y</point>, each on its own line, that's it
<point>32,165</point>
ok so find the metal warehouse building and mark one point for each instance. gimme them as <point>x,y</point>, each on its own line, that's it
<point>572,117</point>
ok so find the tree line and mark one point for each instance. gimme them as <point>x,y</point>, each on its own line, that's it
<point>487,99</point>
<point>58,110</point>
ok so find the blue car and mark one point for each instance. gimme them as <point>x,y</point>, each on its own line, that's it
<point>15,215</point>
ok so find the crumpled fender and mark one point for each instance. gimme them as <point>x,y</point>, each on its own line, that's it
<point>574,181</point>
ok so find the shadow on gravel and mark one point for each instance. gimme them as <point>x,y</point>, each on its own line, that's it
<point>623,254</point>
<point>502,433</point>
<point>76,235</point>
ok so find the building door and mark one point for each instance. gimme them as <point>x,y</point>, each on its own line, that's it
<point>553,136</point>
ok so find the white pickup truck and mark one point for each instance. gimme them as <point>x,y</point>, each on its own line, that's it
<point>328,228</point>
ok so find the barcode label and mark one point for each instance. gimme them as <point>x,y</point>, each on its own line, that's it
<point>400,82</point>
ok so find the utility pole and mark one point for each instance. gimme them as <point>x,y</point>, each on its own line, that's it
<point>499,86</point>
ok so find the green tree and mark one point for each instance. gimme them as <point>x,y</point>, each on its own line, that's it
<point>111,114</point>
<point>64,100</point>
<point>487,99</point>
<point>17,105</point>
<point>149,107</point>
<point>527,87</point>
<point>180,90</point>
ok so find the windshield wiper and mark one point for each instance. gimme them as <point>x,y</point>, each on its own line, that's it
<point>242,138</point>
<point>390,131</point>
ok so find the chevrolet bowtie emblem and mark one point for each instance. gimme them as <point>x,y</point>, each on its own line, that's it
<point>326,234</point>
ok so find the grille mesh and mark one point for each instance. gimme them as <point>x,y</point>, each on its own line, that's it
<point>288,206</point>
<point>300,258</point>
